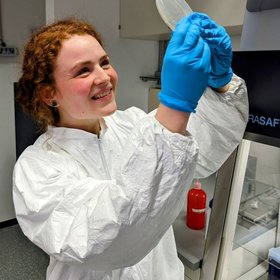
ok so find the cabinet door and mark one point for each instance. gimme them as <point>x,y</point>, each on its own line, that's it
<point>139,19</point>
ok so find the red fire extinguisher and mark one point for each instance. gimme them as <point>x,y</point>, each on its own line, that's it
<point>196,208</point>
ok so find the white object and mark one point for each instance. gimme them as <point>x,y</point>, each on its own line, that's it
<point>225,257</point>
<point>207,216</point>
<point>171,11</point>
<point>218,125</point>
<point>102,208</point>
<point>274,253</point>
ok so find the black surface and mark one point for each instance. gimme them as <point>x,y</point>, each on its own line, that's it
<point>262,5</point>
<point>8,223</point>
<point>27,130</point>
<point>261,72</point>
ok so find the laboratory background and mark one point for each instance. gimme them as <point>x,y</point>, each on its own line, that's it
<point>241,235</point>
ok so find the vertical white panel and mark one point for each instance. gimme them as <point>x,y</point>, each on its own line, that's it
<point>261,31</point>
<point>19,18</point>
<point>49,10</point>
<point>233,207</point>
<point>7,141</point>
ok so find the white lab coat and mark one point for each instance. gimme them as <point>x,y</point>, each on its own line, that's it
<point>102,208</point>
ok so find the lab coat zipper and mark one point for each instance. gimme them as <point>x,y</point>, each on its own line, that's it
<point>104,163</point>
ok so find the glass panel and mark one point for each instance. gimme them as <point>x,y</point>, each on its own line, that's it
<point>257,226</point>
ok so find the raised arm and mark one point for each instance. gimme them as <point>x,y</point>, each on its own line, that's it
<point>185,74</point>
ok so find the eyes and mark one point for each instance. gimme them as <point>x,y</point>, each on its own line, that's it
<point>83,71</point>
<point>105,63</point>
<point>86,69</point>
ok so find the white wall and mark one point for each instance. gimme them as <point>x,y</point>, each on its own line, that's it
<point>18,18</point>
<point>235,41</point>
<point>7,139</point>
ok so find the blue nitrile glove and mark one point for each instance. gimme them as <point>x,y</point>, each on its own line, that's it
<point>221,53</point>
<point>186,66</point>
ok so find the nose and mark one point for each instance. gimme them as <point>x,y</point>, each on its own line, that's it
<point>100,76</point>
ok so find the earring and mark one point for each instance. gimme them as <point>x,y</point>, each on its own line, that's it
<point>53,104</point>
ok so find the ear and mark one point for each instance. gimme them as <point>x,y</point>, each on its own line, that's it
<point>47,94</point>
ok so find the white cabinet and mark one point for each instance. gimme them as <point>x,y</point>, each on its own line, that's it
<point>228,13</point>
<point>139,19</point>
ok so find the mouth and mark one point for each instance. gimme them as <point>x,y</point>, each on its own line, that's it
<point>102,94</point>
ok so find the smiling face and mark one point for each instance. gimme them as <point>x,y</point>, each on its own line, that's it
<point>85,83</point>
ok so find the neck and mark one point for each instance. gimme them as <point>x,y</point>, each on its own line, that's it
<point>92,127</point>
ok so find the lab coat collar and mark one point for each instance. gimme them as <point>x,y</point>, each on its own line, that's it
<point>75,133</point>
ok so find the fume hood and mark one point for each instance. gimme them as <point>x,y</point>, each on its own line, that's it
<point>244,220</point>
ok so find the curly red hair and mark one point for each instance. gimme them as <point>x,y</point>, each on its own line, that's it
<point>38,64</point>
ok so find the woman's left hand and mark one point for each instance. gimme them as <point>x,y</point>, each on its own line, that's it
<point>221,53</point>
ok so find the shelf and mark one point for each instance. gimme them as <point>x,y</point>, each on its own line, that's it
<point>259,272</point>
<point>254,221</point>
<point>190,243</point>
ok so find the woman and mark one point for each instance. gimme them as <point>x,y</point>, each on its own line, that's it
<point>100,188</point>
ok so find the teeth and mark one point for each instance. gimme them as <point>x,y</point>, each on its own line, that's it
<point>101,95</point>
